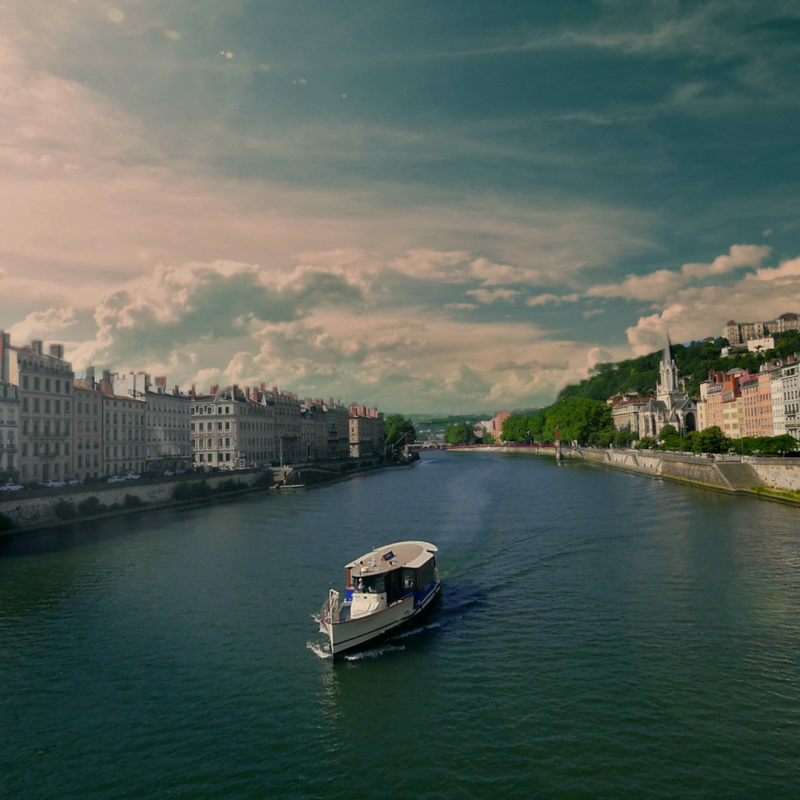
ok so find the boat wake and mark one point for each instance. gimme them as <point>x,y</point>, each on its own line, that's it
<point>318,650</point>
<point>374,652</point>
<point>417,630</point>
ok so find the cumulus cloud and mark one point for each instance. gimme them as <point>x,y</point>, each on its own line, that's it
<point>43,325</point>
<point>740,255</point>
<point>697,312</point>
<point>555,299</point>
<point>492,295</point>
<point>175,306</point>
<point>658,285</point>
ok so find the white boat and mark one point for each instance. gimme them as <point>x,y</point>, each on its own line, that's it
<point>384,589</point>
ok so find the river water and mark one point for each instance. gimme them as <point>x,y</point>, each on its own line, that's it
<point>599,635</point>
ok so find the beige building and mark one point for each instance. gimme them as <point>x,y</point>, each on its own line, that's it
<point>9,432</point>
<point>314,430</point>
<point>44,384</point>
<point>786,400</point>
<point>741,332</point>
<point>232,428</point>
<point>88,438</point>
<point>124,428</point>
<point>366,431</point>
<point>168,443</point>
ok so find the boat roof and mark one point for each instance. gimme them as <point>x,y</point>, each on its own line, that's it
<point>391,556</point>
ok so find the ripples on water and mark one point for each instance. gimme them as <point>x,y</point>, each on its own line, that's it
<point>598,635</point>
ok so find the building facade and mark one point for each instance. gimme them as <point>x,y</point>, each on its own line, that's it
<point>88,439</point>
<point>9,432</point>
<point>366,431</point>
<point>232,428</point>
<point>44,384</point>
<point>741,332</point>
<point>124,428</point>
<point>168,442</point>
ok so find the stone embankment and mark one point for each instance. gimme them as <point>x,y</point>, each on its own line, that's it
<point>726,473</point>
<point>32,510</point>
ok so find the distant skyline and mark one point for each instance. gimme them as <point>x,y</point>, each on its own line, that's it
<point>429,207</point>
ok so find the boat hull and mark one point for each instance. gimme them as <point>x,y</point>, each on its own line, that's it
<point>354,635</point>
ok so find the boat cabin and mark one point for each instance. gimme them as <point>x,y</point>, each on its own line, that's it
<point>394,571</point>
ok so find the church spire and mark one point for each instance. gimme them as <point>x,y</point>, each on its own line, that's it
<point>667,357</point>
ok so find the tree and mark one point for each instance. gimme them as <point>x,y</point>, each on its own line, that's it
<point>397,426</point>
<point>459,434</point>
<point>712,440</point>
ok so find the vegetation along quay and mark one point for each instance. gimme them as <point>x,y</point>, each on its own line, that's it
<point>39,509</point>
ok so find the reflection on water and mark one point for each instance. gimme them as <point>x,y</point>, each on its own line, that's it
<point>597,635</point>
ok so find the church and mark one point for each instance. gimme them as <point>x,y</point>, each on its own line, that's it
<point>670,406</point>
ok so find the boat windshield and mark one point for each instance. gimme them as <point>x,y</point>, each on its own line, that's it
<point>370,584</point>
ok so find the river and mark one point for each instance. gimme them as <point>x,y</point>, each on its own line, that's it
<point>599,635</point>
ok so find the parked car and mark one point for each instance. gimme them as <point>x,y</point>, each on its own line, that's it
<point>132,476</point>
<point>116,479</point>
<point>10,487</point>
<point>168,473</point>
<point>74,481</point>
<point>180,471</point>
<point>54,484</point>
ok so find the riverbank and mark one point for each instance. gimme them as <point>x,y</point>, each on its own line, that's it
<point>773,479</point>
<point>32,511</point>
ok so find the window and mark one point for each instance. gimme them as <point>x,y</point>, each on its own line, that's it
<point>24,381</point>
<point>37,384</point>
<point>47,384</point>
<point>25,405</point>
<point>58,387</point>
<point>36,406</point>
<point>58,406</point>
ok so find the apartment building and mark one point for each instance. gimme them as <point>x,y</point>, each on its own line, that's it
<point>785,386</point>
<point>168,441</point>
<point>44,382</point>
<point>124,428</point>
<point>9,432</point>
<point>88,439</point>
<point>366,431</point>
<point>232,428</point>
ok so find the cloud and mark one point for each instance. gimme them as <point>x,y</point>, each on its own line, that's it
<point>555,299</point>
<point>492,295</point>
<point>654,286</point>
<point>697,312</point>
<point>43,325</point>
<point>597,355</point>
<point>740,255</point>
<point>175,306</point>
<point>658,285</point>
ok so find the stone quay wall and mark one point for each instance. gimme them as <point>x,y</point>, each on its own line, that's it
<point>723,472</point>
<point>35,508</point>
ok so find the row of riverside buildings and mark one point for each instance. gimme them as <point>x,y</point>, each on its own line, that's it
<point>738,402</point>
<point>54,426</point>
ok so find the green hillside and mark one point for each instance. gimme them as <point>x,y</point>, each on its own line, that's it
<point>640,375</point>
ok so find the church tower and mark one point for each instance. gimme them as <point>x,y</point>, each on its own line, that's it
<point>668,385</point>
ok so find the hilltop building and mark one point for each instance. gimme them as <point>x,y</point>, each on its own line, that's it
<point>740,332</point>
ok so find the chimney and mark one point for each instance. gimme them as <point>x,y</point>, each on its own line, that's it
<point>5,356</point>
<point>36,346</point>
<point>214,390</point>
<point>194,392</point>
<point>176,391</point>
<point>57,351</point>
<point>263,387</point>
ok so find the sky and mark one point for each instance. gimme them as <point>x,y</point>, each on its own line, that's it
<point>428,207</point>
